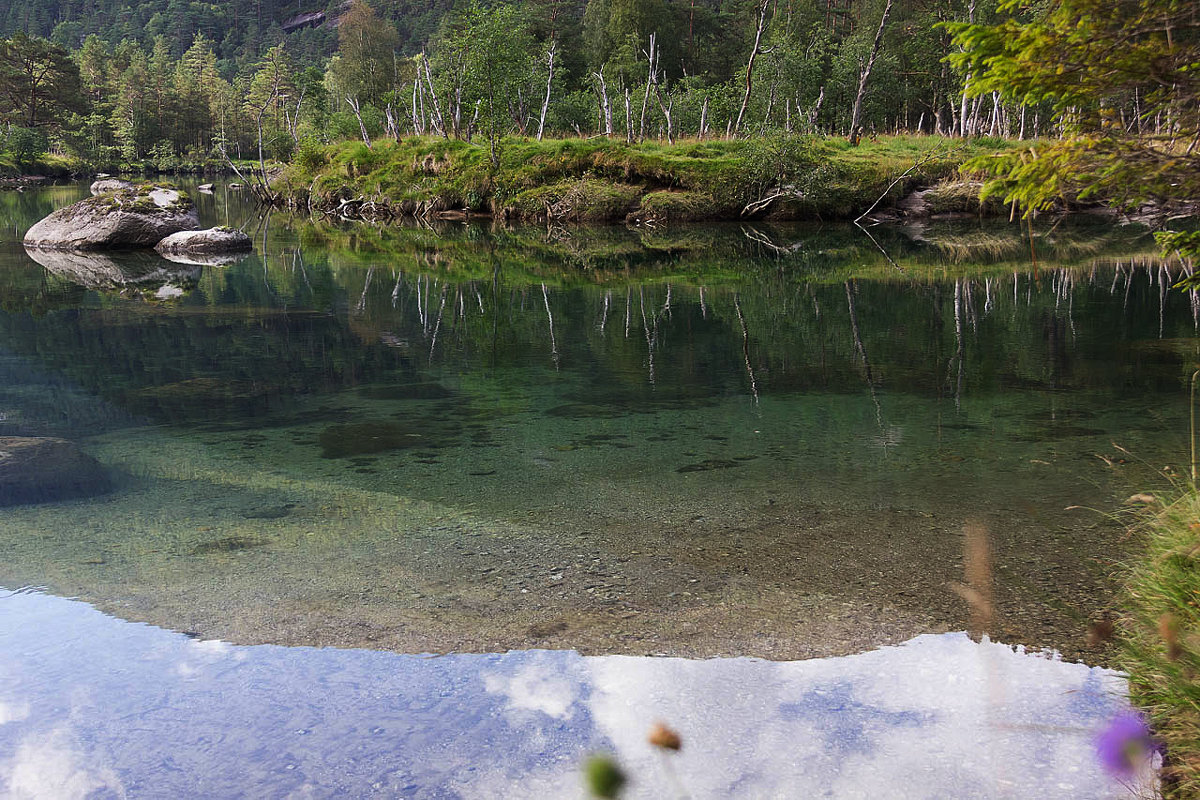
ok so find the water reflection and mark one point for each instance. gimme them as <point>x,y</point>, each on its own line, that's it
<point>705,441</point>
<point>140,269</point>
<point>94,707</point>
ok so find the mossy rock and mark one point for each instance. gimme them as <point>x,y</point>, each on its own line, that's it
<point>128,218</point>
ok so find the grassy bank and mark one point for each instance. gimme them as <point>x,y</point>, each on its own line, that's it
<point>1161,642</point>
<point>606,180</point>
<point>47,166</point>
<point>61,167</point>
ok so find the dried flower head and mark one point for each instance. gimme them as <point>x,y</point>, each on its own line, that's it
<point>663,737</point>
<point>1100,631</point>
<point>1168,629</point>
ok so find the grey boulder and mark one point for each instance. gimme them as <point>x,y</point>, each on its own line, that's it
<point>141,216</point>
<point>213,241</point>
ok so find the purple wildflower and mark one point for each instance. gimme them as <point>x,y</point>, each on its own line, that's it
<point>1126,744</point>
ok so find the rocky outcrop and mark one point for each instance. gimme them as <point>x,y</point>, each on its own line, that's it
<point>42,469</point>
<point>213,241</point>
<point>116,271</point>
<point>141,216</point>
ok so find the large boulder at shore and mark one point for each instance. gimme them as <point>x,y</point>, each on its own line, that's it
<point>214,241</point>
<point>130,270</point>
<point>42,469</point>
<point>141,216</point>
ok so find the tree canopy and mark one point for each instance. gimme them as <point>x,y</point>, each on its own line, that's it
<point>1122,82</point>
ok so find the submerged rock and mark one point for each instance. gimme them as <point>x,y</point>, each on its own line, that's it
<point>356,439</point>
<point>43,469</point>
<point>212,241</point>
<point>140,216</point>
<point>119,271</point>
<point>205,187</point>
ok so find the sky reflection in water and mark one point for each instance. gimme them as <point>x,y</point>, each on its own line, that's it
<point>95,707</point>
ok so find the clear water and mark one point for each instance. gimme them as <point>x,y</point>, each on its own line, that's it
<point>719,441</point>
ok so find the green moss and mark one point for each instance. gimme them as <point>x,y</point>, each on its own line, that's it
<point>676,205</point>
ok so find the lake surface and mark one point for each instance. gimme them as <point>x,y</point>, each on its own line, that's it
<point>737,441</point>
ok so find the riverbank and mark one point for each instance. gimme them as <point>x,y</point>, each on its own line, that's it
<point>51,168</point>
<point>601,180</point>
<point>1161,637</point>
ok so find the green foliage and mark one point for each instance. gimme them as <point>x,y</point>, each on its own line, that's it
<point>25,145</point>
<point>310,155</point>
<point>38,82</point>
<point>778,160</point>
<point>1111,75</point>
<point>365,67</point>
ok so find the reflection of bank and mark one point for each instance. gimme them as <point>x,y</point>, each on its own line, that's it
<point>91,701</point>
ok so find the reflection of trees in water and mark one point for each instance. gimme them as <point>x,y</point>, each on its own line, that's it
<point>1024,329</point>
<point>307,317</point>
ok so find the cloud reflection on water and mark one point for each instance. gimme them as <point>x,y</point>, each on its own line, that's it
<point>91,706</point>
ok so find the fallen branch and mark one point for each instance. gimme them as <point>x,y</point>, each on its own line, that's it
<point>756,206</point>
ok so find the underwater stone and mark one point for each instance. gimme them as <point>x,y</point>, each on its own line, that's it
<point>340,441</point>
<point>44,469</point>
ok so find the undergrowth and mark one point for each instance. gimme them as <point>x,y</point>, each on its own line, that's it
<point>1161,637</point>
<point>602,179</point>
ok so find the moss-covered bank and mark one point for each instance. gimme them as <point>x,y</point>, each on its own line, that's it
<point>605,180</point>
<point>1161,637</point>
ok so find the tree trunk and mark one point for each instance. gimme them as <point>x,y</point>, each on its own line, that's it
<point>652,56</point>
<point>438,123</point>
<point>361,127</point>
<point>605,108</point>
<point>549,81</point>
<point>856,112</point>
<point>762,24</point>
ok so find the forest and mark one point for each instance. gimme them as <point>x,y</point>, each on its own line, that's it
<point>173,83</point>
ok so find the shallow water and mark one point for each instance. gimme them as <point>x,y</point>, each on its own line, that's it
<point>731,440</point>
